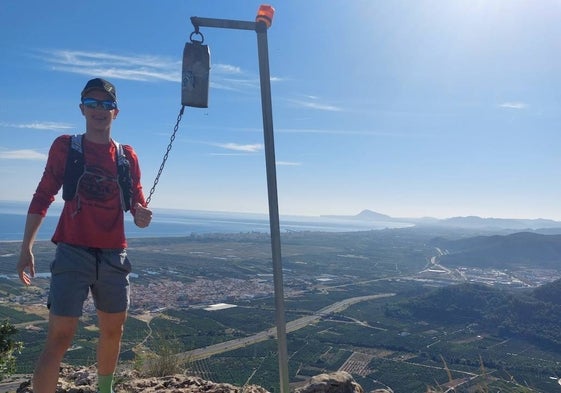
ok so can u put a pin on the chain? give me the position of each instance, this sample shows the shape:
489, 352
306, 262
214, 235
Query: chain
171, 139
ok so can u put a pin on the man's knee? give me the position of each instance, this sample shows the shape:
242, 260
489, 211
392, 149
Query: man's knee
110, 331
111, 325
61, 331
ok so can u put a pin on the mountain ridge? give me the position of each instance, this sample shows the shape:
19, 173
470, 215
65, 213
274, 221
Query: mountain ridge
501, 251
472, 222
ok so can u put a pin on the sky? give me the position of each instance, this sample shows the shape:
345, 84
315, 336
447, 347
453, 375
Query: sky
407, 108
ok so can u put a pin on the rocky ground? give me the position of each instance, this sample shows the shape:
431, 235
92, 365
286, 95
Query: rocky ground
83, 380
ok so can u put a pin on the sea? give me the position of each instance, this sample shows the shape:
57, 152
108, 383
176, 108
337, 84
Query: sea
176, 223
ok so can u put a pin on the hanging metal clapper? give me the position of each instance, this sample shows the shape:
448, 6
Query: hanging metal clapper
195, 72
194, 88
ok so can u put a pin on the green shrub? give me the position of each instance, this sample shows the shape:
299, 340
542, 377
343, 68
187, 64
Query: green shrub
8, 348
163, 360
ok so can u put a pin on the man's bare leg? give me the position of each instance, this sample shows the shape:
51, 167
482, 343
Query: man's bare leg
109, 347
59, 337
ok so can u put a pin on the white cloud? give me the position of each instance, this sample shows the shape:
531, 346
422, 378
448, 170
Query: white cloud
312, 102
288, 163
145, 68
250, 148
513, 105
234, 83
343, 132
139, 67
226, 69
38, 125
24, 154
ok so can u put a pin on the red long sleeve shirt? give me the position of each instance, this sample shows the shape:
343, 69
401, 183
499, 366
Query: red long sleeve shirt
94, 218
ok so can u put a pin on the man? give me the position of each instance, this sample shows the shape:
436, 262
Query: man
90, 237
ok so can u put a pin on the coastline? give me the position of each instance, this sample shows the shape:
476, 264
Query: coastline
174, 223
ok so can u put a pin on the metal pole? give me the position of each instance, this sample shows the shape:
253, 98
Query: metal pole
274, 222
223, 23
264, 75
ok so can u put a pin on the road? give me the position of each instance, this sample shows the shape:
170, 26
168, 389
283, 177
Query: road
206, 352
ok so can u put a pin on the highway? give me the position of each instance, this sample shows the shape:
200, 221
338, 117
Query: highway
206, 352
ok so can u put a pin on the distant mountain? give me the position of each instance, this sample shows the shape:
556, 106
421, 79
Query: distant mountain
522, 248
372, 216
366, 215
469, 222
510, 223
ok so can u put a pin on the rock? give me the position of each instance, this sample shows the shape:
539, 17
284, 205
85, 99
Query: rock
84, 380
337, 382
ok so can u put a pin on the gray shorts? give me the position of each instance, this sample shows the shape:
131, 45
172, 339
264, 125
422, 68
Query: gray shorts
77, 270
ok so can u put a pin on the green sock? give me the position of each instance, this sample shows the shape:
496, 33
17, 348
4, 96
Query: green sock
105, 383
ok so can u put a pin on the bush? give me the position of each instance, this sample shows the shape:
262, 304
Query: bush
8, 347
163, 361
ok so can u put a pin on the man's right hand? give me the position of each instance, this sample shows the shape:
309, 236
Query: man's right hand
26, 260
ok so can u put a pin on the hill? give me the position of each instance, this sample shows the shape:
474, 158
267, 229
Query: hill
550, 292
523, 248
533, 316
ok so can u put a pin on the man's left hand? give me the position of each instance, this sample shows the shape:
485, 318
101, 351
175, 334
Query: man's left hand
142, 216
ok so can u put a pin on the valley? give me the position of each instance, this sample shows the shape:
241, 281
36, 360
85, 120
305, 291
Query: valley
344, 296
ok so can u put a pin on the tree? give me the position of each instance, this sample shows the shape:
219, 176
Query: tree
8, 348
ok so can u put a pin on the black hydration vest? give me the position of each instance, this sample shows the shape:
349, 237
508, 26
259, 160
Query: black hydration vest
76, 165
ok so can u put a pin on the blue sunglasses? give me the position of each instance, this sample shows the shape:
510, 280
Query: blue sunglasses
92, 103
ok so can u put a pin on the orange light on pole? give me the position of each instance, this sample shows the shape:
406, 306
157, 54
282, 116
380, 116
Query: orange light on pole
265, 14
